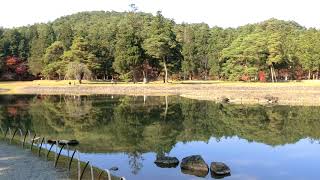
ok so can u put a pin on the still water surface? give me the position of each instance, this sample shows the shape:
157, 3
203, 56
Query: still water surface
256, 142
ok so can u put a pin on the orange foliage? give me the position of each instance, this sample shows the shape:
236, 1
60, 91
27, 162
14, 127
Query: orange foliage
11, 61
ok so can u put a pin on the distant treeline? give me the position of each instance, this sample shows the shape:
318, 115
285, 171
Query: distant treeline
133, 46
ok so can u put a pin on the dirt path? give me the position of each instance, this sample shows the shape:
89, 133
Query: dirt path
21, 164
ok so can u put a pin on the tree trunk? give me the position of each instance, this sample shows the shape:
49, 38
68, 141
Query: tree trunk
106, 74
271, 72
134, 76
206, 74
165, 71
166, 109
309, 75
275, 75
206, 69
145, 80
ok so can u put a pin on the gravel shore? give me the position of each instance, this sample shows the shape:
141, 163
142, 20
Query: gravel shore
21, 164
3, 90
247, 94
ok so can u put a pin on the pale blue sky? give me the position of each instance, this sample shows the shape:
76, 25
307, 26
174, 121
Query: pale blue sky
225, 13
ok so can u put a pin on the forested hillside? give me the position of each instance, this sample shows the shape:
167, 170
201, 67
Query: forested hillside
133, 45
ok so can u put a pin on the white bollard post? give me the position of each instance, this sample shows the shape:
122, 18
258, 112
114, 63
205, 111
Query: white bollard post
79, 167
108, 173
91, 169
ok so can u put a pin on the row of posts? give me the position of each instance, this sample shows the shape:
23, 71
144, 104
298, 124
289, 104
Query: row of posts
57, 154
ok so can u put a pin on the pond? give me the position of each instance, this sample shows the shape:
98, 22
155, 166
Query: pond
255, 141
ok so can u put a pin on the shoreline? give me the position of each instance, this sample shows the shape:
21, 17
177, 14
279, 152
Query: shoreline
288, 94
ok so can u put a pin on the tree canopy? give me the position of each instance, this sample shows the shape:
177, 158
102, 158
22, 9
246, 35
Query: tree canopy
135, 45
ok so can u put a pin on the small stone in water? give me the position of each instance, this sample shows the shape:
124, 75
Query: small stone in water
114, 168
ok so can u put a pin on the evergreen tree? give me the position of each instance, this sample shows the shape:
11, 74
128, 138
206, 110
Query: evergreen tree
54, 65
79, 53
161, 42
128, 49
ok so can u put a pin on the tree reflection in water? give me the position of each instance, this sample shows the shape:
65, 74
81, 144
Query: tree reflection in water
135, 162
154, 124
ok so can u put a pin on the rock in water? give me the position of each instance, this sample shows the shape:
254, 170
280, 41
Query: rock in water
73, 142
69, 142
220, 168
114, 168
166, 162
195, 173
50, 141
194, 165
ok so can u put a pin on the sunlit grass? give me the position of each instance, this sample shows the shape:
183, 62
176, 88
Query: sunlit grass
16, 87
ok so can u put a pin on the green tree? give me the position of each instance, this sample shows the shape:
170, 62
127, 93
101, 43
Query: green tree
102, 39
189, 51
43, 38
276, 53
309, 52
65, 34
53, 64
128, 49
161, 42
245, 56
80, 53
54, 52
78, 71
219, 39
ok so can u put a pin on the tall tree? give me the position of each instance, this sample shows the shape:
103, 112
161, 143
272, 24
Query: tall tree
79, 71
189, 51
219, 39
309, 52
202, 45
53, 63
276, 53
43, 38
65, 34
161, 42
79, 53
128, 49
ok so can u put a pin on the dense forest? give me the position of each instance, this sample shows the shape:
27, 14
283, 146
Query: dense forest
136, 46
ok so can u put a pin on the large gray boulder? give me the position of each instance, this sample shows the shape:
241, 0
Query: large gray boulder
219, 168
194, 165
166, 162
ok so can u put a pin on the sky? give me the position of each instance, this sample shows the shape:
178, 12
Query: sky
224, 13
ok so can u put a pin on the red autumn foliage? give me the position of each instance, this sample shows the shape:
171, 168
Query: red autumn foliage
21, 69
262, 76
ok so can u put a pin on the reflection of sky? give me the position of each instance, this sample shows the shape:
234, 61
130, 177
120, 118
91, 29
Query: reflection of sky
247, 160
